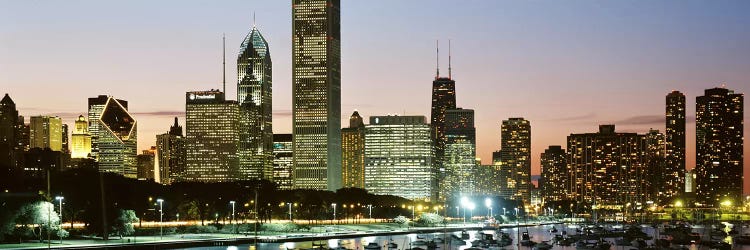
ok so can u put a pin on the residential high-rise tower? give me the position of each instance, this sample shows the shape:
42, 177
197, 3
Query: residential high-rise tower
515, 155
674, 171
353, 152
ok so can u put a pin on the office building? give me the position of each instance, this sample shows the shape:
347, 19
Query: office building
147, 164
486, 180
283, 160
443, 99
719, 146
117, 139
95, 107
46, 132
9, 140
316, 93
353, 152
515, 155
607, 168
460, 154
80, 139
212, 137
399, 157
554, 168
674, 168
254, 96
656, 173
170, 148
64, 137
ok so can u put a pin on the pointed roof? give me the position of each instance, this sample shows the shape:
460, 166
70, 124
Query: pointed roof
255, 40
7, 101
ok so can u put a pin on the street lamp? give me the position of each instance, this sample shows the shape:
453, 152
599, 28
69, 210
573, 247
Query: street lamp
60, 199
488, 203
503, 211
161, 217
232, 202
290, 211
464, 204
370, 207
334, 211
471, 210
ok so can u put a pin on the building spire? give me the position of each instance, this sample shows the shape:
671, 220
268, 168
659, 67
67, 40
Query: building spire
437, 59
224, 62
253, 19
449, 59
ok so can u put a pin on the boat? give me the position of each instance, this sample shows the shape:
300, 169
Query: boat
542, 246
373, 246
392, 245
553, 230
464, 235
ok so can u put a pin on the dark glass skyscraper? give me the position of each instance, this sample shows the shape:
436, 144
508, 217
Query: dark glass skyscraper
96, 105
719, 145
9, 137
674, 171
443, 98
255, 150
170, 149
316, 93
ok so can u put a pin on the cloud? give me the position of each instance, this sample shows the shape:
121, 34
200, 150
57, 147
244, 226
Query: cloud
649, 120
588, 116
161, 113
282, 113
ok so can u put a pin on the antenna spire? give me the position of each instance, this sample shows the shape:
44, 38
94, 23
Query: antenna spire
449, 59
224, 62
437, 59
253, 19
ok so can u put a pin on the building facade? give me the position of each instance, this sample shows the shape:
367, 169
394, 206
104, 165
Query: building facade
117, 139
80, 139
674, 168
316, 93
554, 184
399, 157
353, 152
95, 107
170, 148
719, 146
515, 156
459, 161
46, 132
212, 137
254, 96
283, 161
443, 99
147, 164
9, 138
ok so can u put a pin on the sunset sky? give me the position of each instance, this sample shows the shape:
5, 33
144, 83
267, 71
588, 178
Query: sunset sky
567, 66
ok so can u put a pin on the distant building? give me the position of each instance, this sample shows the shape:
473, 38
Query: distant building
96, 106
46, 132
9, 138
443, 99
353, 152
316, 93
504, 175
555, 181
690, 181
719, 146
607, 168
657, 177
674, 168
170, 148
117, 139
147, 164
39, 160
515, 155
80, 139
64, 138
486, 180
460, 154
283, 156
212, 137
399, 157
254, 97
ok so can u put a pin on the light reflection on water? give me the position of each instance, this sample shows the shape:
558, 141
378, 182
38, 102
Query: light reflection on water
404, 241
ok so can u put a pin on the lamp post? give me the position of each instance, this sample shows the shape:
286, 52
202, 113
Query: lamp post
471, 210
464, 204
334, 211
161, 218
370, 207
518, 229
231, 222
290, 211
488, 203
59, 200
503, 211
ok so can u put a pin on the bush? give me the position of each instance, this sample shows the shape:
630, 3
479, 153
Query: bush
401, 220
280, 227
198, 229
429, 219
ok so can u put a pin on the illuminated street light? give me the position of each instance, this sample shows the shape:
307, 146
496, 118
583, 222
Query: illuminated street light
334, 210
161, 217
232, 202
60, 199
488, 203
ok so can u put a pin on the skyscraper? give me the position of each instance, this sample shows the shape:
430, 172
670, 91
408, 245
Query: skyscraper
64, 139
46, 132
283, 158
9, 137
674, 171
607, 168
657, 177
460, 154
353, 152
146, 162
96, 105
170, 148
554, 184
116, 139
316, 93
515, 154
443, 98
254, 96
399, 157
212, 137
80, 139
719, 145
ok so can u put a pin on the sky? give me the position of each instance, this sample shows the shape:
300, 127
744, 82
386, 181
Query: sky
567, 66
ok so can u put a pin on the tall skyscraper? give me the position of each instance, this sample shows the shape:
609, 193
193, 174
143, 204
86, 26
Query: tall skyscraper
9, 137
554, 184
515, 154
316, 91
283, 160
486, 180
607, 168
46, 132
457, 175
80, 139
254, 96
719, 145
117, 139
399, 157
96, 106
674, 171
212, 137
443, 98
353, 152
657, 177
64, 139
170, 148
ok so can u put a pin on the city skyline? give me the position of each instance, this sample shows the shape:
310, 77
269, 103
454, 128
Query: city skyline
649, 79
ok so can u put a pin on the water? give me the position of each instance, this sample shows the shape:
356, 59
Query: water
537, 233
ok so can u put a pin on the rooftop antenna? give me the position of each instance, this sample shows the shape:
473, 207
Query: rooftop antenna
224, 62
437, 59
253, 19
449, 59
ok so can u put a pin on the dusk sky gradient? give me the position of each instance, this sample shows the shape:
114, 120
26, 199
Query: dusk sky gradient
567, 66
